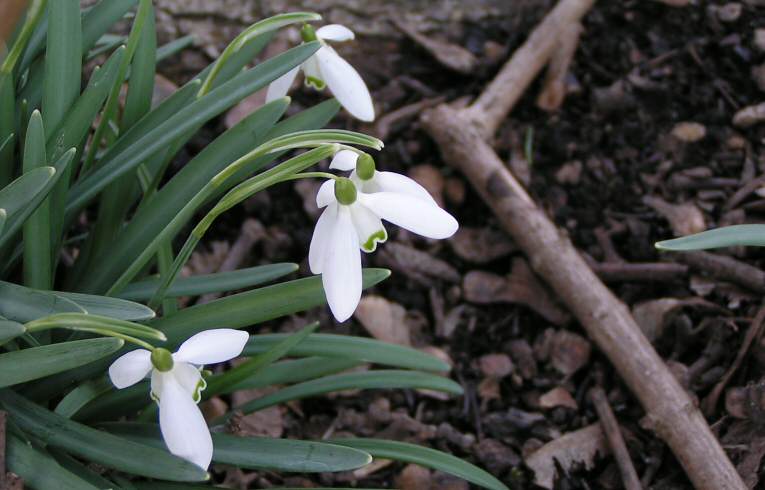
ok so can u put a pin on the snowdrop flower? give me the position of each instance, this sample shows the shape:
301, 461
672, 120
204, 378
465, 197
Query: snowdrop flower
326, 68
177, 384
352, 221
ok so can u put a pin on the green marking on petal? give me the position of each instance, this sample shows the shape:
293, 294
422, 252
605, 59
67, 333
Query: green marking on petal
377, 237
316, 83
201, 385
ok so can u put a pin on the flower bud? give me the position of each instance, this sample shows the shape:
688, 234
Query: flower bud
162, 359
345, 191
365, 167
308, 33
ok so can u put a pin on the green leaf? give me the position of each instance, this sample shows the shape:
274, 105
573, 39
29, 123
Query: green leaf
82, 395
79, 469
38, 469
382, 379
97, 446
210, 283
23, 193
24, 304
111, 307
430, 458
227, 381
38, 256
37, 362
260, 453
356, 348
198, 112
63, 61
251, 307
9, 330
727, 236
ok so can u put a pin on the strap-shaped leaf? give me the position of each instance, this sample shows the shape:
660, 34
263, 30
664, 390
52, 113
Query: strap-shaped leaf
382, 379
357, 348
24, 304
25, 365
9, 330
430, 458
118, 308
63, 60
196, 113
95, 445
210, 283
38, 255
251, 307
726, 236
80, 396
38, 469
20, 194
260, 453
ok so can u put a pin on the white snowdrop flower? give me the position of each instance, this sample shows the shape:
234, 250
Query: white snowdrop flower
352, 221
176, 385
326, 68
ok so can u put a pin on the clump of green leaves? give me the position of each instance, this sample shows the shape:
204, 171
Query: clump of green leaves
79, 170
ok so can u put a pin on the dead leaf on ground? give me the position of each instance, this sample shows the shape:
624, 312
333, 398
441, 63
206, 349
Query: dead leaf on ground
449, 55
557, 397
383, 319
685, 218
481, 245
569, 352
582, 446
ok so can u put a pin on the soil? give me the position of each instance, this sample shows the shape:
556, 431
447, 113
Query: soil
619, 166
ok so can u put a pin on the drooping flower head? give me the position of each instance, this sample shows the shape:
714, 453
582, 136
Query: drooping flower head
325, 68
352, 221
176, 385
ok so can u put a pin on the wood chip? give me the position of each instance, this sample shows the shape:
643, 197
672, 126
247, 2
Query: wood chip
685, 218
557, 397
383, 319
689, 132
579, 447
481, 245
749, 116
569, 352
495, 366
449, 55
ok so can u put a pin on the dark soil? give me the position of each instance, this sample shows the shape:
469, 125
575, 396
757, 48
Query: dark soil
641, 68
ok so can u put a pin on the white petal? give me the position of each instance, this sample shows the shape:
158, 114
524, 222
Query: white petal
280, 86
334, 32
346, 84
326, 194
341, 274
183, 427
412, 213
212, 346
393, 182
369, 228
130, 368
190, 379
321, 237
344, 160
313, 75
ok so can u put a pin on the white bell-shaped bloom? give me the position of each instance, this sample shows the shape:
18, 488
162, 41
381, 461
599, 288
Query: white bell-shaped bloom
326, 67
177, 384
345, 228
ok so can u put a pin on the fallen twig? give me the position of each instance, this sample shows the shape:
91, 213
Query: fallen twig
615, 439
638, 271
461, 135
554, 87
725, 268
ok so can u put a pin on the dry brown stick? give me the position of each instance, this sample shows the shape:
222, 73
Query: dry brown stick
709, 403
638, 271
726, 269
493, 105
615, 439
461, 134
554, 87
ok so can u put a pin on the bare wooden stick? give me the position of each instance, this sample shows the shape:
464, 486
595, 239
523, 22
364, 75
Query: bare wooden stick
615, 439
461, 134
725, 268
554, 87
493, 105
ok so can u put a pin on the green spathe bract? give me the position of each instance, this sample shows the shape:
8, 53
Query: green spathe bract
93, 218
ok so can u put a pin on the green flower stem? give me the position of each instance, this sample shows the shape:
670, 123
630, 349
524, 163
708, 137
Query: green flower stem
108, 327
299, 139
236, 195
262, 27
110, 109
311, 175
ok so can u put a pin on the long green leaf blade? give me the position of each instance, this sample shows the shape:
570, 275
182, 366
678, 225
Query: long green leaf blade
63, 60
24, 304
430, 458
38, 469
727, 236
356, 348
95, 445
37, 362
38, 256
111, 307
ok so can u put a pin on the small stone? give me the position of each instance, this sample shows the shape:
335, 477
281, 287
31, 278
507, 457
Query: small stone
523, 356
730, 12
414, 477
569, 173
383, 319
749, 116
496, 366
689, 132
759, 40
445, 481
557, 397
496, 457
569, 352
